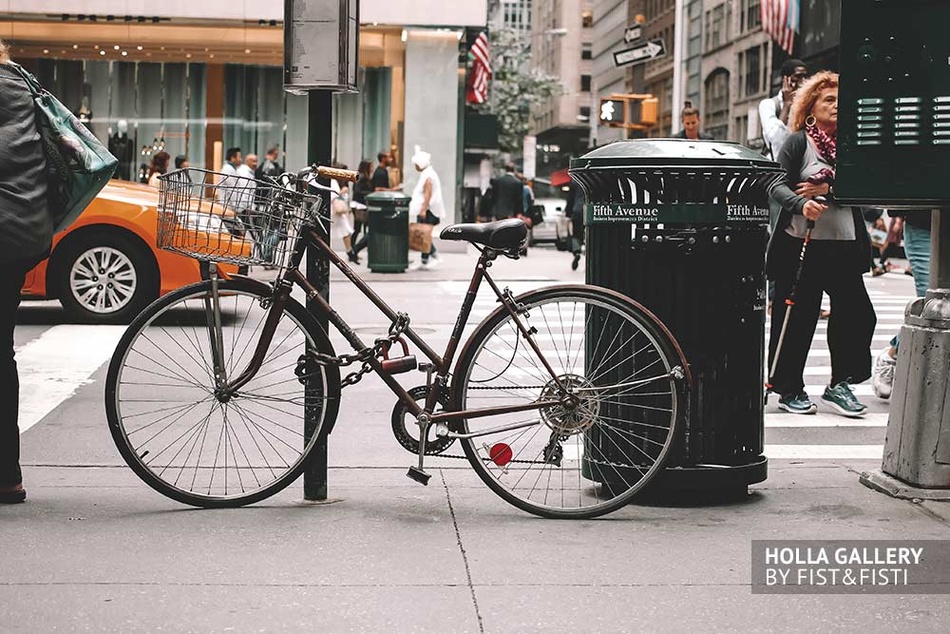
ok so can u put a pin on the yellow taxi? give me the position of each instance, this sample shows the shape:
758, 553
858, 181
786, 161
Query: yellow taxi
106, 267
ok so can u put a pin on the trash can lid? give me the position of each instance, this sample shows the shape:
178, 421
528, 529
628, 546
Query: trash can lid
672, 153
382, 197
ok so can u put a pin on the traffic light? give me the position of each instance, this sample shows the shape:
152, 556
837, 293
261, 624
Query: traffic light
612, 111
636, 112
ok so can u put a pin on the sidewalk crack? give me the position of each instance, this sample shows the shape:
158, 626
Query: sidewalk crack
458, 538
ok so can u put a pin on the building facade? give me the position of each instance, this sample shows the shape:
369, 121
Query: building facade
196, 78
562, 123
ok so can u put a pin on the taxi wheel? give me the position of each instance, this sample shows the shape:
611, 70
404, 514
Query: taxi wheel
105, 278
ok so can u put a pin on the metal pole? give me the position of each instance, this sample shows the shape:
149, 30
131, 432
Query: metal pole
678, 30
319, 150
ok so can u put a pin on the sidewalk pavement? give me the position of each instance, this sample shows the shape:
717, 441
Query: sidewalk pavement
94, 549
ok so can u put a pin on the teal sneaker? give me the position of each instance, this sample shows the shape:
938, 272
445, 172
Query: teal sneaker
842, 399
797, 404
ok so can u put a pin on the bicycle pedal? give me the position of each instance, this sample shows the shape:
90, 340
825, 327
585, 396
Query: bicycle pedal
419, 475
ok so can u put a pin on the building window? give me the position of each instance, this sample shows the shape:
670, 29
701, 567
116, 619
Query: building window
587, 51
742, 129
718, 26
750, 72
583, 113
716, 108
751, 17
587, 18
585, 83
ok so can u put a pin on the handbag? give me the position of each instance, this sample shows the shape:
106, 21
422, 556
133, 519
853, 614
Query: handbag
79, 166
340, 205
420, 237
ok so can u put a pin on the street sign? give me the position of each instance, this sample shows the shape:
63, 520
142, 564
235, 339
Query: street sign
632, 34
640, 53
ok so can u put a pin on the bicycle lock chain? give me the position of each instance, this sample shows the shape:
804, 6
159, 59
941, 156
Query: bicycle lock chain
396, 329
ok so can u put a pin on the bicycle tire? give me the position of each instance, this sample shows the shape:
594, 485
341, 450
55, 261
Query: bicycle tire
171, 328
591, 458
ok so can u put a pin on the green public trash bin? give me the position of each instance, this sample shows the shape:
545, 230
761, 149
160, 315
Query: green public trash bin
388, 232
681, 227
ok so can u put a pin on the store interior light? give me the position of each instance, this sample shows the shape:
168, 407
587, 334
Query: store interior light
46, 51
75, 46
125, 53
404, 36
102, 52
116, 47
139, 47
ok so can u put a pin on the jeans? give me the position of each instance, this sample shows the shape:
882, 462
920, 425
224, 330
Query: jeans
917, 250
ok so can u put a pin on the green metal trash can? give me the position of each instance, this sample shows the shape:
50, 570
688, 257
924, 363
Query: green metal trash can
682, 227
388, 244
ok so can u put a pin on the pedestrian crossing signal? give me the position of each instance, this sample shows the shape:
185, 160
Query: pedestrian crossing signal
635, 111
612, 111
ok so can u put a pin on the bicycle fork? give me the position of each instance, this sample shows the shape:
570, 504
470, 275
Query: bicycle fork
215, 335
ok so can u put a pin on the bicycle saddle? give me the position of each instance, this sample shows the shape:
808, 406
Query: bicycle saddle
500, 234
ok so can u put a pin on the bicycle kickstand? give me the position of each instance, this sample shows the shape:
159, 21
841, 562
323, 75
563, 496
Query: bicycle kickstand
419, 473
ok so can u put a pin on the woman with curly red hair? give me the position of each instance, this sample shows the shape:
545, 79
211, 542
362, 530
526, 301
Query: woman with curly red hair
838, 255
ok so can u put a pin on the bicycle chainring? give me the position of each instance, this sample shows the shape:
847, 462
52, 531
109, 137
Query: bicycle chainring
402, 420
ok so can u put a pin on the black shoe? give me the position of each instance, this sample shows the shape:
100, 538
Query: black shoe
577, 259
355, 259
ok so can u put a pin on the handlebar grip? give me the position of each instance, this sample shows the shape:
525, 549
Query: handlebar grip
333, 172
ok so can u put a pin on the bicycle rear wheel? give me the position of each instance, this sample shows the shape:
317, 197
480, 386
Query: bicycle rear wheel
621, 391
197, 446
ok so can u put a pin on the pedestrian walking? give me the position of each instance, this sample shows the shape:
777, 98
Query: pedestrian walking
229, 187
362, 187
269, 168
839, 253
575, 211
506, 194
26, 233
917, 250
689, 117
381, 175
341, 218
426, 204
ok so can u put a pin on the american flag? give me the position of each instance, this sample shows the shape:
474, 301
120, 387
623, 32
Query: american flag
780, 20
477, 89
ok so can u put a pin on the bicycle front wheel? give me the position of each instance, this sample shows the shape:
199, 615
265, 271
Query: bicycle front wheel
617, 378
183, 436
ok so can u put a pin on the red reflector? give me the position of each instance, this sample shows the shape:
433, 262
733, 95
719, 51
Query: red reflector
500, 454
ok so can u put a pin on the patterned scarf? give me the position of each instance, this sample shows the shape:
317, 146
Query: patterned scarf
827, 151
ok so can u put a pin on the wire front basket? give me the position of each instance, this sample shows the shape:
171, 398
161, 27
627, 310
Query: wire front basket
232, 219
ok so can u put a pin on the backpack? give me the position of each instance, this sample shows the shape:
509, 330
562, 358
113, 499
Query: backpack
79, 166
766, 148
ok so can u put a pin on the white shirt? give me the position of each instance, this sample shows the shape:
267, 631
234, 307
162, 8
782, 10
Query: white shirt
436, 204
246, 187
773, 130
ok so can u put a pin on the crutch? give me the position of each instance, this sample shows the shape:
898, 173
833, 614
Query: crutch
790, 303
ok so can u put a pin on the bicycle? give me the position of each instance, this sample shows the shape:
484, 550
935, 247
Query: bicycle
566, 400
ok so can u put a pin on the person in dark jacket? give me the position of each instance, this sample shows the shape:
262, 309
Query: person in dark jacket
506, 194
837, 256
26, 232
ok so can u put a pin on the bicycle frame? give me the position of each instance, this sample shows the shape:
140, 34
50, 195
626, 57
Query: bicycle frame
309, 237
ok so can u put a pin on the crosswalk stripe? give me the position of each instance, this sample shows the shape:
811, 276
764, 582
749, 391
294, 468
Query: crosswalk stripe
55, 365
824, 452
784, 420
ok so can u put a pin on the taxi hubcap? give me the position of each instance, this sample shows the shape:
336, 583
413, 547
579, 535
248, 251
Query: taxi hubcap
103, 280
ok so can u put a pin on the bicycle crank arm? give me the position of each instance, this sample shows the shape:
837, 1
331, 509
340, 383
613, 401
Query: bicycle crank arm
494, 430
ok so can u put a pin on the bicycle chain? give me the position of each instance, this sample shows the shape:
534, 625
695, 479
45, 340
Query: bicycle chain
396, 329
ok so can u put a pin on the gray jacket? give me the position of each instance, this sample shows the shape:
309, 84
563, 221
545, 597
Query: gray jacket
26, 227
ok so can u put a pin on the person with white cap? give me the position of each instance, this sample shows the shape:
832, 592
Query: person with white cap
426, 204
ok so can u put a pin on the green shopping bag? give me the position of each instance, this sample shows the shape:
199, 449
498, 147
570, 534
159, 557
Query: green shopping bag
79, 165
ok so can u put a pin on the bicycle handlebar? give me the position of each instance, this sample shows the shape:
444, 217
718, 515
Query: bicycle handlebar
329, 172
